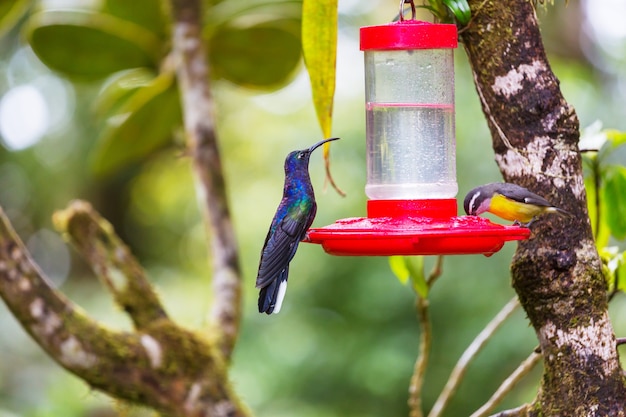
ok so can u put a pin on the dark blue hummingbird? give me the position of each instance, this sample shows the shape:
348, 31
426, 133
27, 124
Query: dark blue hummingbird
293, 218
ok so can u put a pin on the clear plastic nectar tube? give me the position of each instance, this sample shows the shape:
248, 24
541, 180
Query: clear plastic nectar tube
411, 147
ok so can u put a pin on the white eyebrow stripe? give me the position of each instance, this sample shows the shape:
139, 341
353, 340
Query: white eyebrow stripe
472, 201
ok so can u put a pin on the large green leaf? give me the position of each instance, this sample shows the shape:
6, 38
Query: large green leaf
260, 56
146, 13
145, 124
614, 195
87, 44
10, 13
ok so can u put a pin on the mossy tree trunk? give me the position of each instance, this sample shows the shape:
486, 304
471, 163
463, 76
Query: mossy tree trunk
557, 273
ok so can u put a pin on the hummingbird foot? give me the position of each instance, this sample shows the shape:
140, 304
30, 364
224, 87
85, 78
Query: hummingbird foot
526, 225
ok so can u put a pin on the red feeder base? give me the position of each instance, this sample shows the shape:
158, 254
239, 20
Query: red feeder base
414, 227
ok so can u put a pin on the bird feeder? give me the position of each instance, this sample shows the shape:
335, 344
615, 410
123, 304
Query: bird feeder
411, 161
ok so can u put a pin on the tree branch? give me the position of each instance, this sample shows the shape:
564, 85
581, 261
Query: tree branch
470, 353
94, 238
198, 112
507, 386
163, 366
557, 274
421, 363
521, 411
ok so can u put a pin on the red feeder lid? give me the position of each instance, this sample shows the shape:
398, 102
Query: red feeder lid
408, 34
414, 227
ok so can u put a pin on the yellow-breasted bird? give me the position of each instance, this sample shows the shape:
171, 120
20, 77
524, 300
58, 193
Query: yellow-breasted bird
509, 201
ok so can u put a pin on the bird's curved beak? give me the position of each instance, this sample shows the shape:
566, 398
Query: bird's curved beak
320, 143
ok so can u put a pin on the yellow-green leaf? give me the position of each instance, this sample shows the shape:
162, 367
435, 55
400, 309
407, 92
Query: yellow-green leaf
319, 47
614, 196
405, 267
621, 272
415, 264
600, 229
399, 268
616, 137
11, 11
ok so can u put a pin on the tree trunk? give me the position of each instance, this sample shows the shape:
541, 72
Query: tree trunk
557, 273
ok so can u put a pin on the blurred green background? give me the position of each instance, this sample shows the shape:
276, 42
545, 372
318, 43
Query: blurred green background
347, 338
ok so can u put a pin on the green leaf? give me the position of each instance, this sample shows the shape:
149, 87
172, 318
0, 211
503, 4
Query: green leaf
145, 13
614, 196
615, 137
319, 47
144, 124
260, 56
610, 260
11, 11
399, 268
437, 8
418, 277
460, 9
119, 87
603, 234
590, 189
620, 273
236, 12
87, 44
405, 267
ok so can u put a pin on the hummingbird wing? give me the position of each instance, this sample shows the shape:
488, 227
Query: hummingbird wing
280, 247
281, 244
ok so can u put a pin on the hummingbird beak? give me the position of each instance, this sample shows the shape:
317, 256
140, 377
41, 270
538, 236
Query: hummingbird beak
320, 143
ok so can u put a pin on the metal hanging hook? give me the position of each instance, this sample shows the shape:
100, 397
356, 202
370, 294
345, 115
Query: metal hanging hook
413, 12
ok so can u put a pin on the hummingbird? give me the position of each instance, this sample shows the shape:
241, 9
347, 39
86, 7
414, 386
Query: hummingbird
293, 218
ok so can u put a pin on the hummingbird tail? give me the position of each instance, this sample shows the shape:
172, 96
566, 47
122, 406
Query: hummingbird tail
271, 297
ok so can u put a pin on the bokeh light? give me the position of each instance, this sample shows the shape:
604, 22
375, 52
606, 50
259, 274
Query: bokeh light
24, 117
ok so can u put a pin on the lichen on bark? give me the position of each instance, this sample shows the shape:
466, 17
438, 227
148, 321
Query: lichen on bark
162, 365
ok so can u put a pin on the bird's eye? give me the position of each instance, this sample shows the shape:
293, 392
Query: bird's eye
300, 155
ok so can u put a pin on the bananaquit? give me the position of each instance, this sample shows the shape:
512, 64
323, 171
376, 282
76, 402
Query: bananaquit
509, 201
